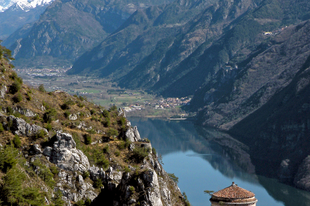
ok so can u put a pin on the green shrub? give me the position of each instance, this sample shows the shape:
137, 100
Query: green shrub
18, 97
40, 134
87, 202
122, 121
173, 177
87, 139
106, 114
139, 153
44, 173
8, 156
112, 132
15, 87
54, 170
92, 111
67, 104
10, 111
124, 144
41, 88
1, 127
49, 115
106, 149
154, 151
47, 106
91, 131
117, 153
11, 189
48, 127
100, 159
126, 169
98, 183
29, 96
85, 174
16, 141
67, 114
57, 200
106, 123
16, 78
113, 108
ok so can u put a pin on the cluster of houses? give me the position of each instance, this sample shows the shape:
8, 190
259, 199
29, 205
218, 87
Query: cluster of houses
159, 104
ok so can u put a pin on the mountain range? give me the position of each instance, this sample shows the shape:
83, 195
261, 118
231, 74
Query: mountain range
245, 62
17, 13
67, 29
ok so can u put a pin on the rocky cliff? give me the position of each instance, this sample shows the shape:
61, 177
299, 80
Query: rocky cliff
58, 149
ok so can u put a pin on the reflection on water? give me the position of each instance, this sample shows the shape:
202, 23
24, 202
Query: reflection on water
207, 159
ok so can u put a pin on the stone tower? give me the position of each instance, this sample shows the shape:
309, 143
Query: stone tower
233, 196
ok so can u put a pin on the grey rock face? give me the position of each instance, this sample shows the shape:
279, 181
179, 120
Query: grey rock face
303, 174
26, 112
3, 91
65, 155
96, 173
75, 182
132, 134
152, 191
21, 127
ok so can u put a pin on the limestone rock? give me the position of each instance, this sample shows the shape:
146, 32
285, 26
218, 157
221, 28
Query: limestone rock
302, 176
65, 155
132, 134
96, 173
3, 91
21, 127
73, 117
26, 112
152, 191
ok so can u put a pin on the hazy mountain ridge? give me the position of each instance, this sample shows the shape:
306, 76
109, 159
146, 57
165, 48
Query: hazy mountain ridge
68, 29
15, 14
139, 36
219, 33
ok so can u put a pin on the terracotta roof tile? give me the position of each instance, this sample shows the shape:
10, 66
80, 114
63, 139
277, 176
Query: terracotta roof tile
233, 192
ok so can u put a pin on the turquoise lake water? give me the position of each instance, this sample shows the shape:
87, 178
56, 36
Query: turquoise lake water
202, 164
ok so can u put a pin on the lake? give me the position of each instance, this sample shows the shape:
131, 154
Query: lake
207, 159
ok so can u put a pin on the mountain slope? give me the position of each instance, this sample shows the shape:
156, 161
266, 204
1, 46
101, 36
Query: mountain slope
177, 60
264, 104
137, 38
59, 149
68, 29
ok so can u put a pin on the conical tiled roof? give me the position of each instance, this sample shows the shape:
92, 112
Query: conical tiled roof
233, 192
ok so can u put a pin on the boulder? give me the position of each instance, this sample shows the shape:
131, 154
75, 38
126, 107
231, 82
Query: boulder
3, 90
73, 117
26, 112
132, 134
152, 188
65, 155
21, 127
